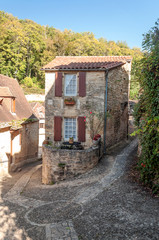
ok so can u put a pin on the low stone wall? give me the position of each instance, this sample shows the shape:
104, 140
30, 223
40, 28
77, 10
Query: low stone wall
60, 164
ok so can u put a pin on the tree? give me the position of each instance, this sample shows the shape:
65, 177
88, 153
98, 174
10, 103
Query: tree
26, 46
147, 110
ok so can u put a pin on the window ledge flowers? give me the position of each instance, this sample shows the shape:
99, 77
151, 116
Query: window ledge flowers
69, 101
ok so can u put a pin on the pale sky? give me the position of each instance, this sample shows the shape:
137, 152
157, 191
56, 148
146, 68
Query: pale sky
115, 20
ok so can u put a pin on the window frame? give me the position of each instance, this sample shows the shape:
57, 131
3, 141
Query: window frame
70, 95
41, 125
64, 128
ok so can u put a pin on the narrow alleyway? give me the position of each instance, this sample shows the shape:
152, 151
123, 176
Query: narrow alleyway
102, 204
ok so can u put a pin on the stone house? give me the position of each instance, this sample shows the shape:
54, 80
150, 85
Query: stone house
98, 85
18, 127
85, 97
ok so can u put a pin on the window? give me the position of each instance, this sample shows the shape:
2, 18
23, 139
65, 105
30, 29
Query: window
41, 125
70, 128
70, 85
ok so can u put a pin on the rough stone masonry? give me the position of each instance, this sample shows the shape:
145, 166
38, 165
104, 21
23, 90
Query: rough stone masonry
89, 108
60, 164
117, 112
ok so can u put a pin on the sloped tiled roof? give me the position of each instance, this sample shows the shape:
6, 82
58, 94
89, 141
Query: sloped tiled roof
22, 107
39, 109
86, 62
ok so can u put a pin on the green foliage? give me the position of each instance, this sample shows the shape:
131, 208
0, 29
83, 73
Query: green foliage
27, 82
147, 110
34, 90
26, 46
16, 124
134, 89
52, 183
62, 165
135, 73
49, 143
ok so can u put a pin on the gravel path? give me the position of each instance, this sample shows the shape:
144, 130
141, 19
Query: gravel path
102, 204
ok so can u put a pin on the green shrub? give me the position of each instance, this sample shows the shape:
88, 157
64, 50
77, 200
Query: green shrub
28, 82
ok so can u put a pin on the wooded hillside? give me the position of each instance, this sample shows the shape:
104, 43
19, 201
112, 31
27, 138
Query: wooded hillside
26, 46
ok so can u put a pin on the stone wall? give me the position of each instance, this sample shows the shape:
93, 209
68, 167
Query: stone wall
60, 164
118, 97
25, 144
18, 147
54, 106
118, 94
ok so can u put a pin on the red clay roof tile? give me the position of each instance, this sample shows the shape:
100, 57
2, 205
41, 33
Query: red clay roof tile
22, 107
86, 62
39, 109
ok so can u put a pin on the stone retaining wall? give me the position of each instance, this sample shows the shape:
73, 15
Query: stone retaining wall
60, 164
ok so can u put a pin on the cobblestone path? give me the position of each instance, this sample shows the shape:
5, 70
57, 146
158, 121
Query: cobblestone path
116, 172
75, 210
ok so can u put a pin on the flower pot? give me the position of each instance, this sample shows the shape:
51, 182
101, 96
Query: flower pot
45, 142
71, 141
69, 103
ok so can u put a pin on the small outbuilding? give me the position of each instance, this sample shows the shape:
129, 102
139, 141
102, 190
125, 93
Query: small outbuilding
19, 127
39, 111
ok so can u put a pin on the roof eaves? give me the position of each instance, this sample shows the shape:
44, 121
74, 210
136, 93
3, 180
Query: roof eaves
74, 69
7, 96
83, 69
112, 67
5, 125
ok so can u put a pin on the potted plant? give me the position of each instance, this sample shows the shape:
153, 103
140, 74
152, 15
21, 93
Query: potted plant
70, 101
71, 140
45, 142
96, 139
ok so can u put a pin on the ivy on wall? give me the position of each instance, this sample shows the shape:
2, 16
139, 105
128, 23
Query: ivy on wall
147, 110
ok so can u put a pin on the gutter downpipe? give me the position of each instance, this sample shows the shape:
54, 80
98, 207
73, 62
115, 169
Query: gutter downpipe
105, 110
